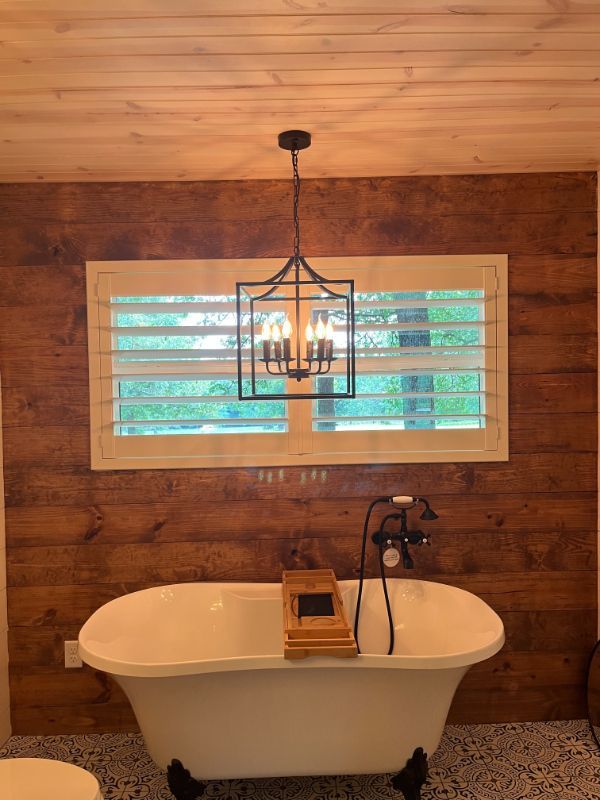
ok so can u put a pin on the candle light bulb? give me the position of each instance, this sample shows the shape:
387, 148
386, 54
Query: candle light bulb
275, 332
310, 348
329, 330
320, 328
287, 329
266, 332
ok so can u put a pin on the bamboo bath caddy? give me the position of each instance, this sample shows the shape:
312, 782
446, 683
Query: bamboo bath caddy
315, 634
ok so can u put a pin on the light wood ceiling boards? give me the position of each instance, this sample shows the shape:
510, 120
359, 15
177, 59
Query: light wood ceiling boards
199, 89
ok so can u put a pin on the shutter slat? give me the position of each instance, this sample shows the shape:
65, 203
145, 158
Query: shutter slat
220, 306
191, 422
416, 395
421, 326
201, 353
425, 303
176, 400
143, 377
143, 400
383, 417
184, 353
217, 370
323, 304
178, 330
199, 307
180, 372
231, 330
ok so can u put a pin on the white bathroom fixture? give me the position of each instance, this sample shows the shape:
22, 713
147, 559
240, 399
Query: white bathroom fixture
202, 665
41, 778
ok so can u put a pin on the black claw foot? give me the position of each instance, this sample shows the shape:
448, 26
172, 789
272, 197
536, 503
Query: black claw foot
413, 776
181, 783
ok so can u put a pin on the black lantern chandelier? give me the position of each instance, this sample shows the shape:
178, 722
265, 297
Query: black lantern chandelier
296, 325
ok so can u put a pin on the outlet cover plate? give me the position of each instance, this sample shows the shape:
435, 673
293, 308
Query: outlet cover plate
72, 658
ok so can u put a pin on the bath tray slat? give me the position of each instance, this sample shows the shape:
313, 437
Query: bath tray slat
324, 635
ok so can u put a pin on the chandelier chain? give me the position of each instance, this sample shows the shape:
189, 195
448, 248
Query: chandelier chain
296, 205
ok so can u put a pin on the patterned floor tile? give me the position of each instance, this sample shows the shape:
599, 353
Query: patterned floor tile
512, 761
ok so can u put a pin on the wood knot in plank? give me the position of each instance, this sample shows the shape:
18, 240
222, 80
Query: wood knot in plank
95, 526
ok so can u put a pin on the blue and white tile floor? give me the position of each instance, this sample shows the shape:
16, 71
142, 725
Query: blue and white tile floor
516, 761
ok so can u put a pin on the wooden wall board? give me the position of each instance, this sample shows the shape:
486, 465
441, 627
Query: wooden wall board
83, 718
541, 472
138, 523
520, 534
519, 233
217, 201
561, 702
61, 9
413, 66
236, 24
145, 90
569, 430
248, 560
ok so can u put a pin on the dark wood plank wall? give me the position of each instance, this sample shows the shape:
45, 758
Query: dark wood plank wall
521, 534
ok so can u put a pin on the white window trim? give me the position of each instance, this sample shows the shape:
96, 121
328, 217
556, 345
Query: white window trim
322, 448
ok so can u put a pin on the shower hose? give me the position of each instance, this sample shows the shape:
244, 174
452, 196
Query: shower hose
361, 578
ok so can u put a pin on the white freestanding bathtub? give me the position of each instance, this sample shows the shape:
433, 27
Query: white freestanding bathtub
202, 665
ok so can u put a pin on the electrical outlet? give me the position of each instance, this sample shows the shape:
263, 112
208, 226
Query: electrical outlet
72, 658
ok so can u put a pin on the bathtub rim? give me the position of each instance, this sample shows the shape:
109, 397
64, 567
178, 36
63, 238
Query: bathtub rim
149, 669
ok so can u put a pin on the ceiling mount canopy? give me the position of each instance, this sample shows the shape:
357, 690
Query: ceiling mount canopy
294, 140
297, 325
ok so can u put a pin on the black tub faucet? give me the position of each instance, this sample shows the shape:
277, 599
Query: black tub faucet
405, 537
401, 504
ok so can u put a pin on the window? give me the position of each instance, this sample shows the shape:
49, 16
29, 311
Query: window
431, 367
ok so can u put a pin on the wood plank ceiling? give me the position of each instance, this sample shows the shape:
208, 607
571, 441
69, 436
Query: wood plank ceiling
198, 89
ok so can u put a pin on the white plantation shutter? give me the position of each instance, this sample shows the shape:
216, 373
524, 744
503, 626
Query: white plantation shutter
424, 366
428, 363
164, 380
431, 367
174, 369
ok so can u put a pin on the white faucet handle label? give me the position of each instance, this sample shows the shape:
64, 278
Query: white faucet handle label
391, 557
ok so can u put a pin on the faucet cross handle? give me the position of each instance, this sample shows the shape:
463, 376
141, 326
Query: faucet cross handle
417, 537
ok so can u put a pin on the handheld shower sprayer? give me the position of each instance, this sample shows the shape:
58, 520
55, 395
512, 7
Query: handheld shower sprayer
410, 502
404, 503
